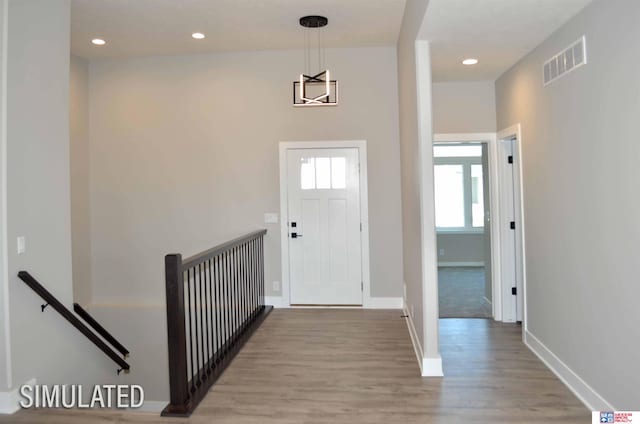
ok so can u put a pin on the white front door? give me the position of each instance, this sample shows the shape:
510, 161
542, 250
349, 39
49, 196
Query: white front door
323, 200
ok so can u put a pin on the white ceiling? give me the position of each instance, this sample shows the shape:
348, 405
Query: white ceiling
497, 32
164, 27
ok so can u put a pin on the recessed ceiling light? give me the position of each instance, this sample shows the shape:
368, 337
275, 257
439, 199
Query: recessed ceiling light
470, 61
198, 35
98, 42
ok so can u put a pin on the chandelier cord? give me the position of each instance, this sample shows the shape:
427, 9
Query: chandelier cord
306, 51
319, 63
323, 52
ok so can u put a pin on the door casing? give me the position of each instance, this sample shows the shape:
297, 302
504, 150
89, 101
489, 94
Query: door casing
361, 145
514, 133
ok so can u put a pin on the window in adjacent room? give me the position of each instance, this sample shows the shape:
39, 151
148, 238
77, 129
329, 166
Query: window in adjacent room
458, 180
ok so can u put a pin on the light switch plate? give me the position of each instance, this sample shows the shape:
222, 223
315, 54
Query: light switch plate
21, 245
271, 218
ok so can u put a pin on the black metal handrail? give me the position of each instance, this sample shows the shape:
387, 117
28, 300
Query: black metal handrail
215, 301
73, 320
100, 329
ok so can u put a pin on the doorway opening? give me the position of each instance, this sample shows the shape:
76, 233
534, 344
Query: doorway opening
495, 199
463, 210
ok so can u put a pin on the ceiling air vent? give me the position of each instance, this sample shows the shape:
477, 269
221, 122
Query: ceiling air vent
566, 61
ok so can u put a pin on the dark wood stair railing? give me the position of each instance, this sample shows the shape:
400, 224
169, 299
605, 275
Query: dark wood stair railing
52, 301
215, 301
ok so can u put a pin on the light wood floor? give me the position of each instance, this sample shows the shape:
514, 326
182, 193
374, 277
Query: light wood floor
358, 366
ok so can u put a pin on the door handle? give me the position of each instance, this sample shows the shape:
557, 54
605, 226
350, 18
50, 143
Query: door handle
295, 235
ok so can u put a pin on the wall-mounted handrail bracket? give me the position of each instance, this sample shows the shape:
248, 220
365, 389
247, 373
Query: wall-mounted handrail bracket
43, 306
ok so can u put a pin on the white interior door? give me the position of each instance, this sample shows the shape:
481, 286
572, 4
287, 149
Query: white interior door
511, 284
323, 200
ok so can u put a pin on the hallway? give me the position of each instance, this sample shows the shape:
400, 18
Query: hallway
358, 366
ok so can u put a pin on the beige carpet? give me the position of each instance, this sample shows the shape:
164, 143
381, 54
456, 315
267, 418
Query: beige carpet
461, 293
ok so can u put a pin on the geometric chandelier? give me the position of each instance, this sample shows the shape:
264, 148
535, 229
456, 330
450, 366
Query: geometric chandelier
316, 89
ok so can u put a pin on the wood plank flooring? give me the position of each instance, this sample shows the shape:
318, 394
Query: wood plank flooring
358, 366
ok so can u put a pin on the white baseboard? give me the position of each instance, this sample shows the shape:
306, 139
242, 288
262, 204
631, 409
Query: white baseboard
275, 301
417, 348
429, 367
573, 381
9, 401
384, 303
371, 303
432, 367
461, 264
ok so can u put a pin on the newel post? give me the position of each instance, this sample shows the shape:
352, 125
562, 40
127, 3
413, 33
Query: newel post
176, 335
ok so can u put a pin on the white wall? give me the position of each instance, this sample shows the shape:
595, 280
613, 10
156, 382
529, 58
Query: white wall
80, 187
464, 107
184, 155
580, 164
42, 344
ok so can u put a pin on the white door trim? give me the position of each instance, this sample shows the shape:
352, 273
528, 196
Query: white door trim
361, 145
491, 139
515, 131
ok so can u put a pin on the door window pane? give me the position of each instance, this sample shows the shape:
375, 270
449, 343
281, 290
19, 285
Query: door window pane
449, 196
338, 172
477, 196
323, 173
308, 174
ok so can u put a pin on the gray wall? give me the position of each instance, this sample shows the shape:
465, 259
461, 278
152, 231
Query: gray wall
464, 107
5, 332
79, 162
184, 155
460, 247
411, 226
581, 185
43, 345
418, 212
